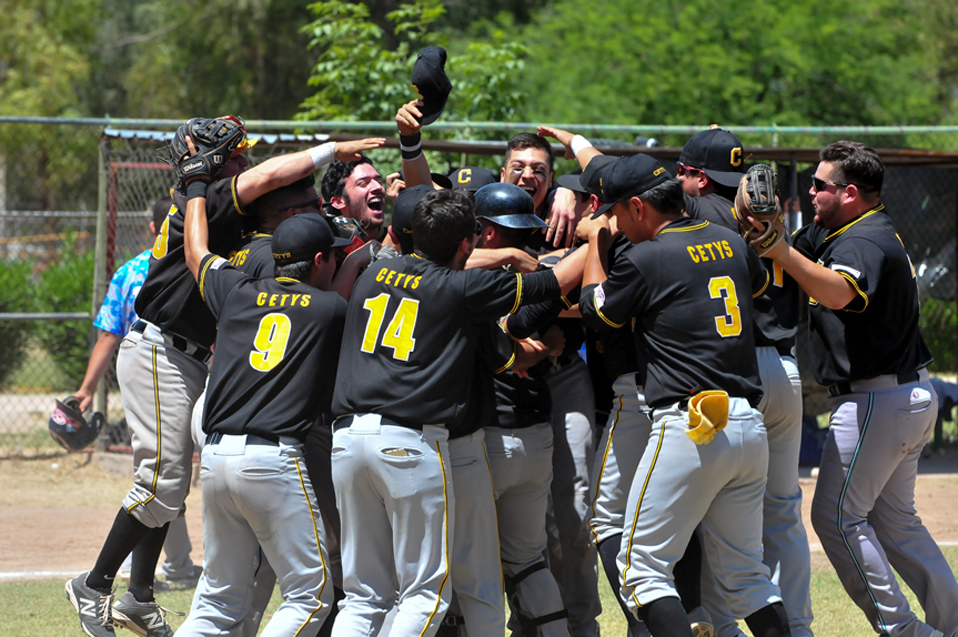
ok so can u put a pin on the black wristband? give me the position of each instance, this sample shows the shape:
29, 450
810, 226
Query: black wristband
196, 188
410, 140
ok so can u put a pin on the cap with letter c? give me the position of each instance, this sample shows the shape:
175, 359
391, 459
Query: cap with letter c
718, 153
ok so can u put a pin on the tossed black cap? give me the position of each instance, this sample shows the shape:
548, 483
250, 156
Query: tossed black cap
301, 237
430, 81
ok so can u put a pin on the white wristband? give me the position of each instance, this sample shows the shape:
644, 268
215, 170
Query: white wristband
322, 154
578, 143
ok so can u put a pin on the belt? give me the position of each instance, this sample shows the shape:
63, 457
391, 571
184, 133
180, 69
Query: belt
180, 343
251, 439
343, 422
879, 383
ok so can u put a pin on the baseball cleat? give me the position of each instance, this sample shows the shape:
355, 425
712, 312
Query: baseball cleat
146, 619
701, 623
92, 606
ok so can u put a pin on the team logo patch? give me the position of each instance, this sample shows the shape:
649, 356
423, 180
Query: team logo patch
219, 263
599, 297
844, 268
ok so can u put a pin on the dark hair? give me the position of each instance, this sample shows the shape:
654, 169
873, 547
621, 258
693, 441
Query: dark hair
160, 210
442, 219
299, 270
856, 163
334, 180
523, 141
274, 202
667, 198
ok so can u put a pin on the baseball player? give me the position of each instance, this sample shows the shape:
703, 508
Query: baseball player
353, 190
686, 284
277, 341
412, 322
709, 169
863, 328
161, 369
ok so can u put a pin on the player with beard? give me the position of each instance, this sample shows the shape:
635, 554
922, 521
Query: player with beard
354, 190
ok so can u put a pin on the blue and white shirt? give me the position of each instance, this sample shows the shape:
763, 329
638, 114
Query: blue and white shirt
117, 314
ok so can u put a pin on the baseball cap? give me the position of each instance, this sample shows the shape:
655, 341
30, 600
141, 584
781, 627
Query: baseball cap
402, 214
717, 152
472, 178
430, 81
572, 181
627, 177
299, 238
437, 178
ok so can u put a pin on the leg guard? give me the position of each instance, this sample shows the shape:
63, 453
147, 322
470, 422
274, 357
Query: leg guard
532, 604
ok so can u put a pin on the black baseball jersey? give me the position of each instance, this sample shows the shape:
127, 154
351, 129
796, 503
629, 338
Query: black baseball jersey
276, 352
619, 350
412, 332
689, 289
776, 311
254, 255
877, 333
497, 354
169, 297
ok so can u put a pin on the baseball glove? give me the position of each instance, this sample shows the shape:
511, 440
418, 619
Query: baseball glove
756, 198
215, 141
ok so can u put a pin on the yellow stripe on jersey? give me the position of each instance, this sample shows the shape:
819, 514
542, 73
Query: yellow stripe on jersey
764, 287
509, 363
515, 307
638, 509
206, 267
236, 201
853, 222
688, 229
319, 548
858, 291
606, 319
445, 541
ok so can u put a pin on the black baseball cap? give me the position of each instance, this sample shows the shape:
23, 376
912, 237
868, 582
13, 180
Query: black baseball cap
301, 237
717, 152
402, 214
472, 178
430, 81
572, 181
627, 177
437, 178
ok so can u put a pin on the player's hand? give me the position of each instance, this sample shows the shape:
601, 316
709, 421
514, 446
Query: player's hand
554, 340
588, 227
406, 118
394, 186
776, 251
562, 218
350, 151
524, 262
564, 137
86, 399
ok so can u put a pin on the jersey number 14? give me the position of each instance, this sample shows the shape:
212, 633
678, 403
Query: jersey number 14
398, 334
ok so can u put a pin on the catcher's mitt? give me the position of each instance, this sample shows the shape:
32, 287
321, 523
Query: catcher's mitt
215, 141
756, 198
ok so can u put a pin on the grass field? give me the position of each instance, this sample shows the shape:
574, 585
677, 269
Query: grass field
40, 607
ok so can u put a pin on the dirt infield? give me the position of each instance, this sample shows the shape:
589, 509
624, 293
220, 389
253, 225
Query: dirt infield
55, 513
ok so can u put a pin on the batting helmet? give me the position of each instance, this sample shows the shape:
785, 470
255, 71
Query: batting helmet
70, 429
508, 206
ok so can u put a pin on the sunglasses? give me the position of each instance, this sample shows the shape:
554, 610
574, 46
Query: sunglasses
687, 170
819, 184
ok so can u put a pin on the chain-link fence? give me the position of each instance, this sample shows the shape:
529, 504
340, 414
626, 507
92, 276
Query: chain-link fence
76, 199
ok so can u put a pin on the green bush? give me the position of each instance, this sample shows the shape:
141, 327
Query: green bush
66, 285
939, 328
14, 288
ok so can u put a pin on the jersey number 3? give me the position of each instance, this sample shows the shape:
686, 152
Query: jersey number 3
730, 323
399, 332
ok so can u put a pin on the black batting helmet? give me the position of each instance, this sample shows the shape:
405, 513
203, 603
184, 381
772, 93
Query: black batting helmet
508, 206
70, 429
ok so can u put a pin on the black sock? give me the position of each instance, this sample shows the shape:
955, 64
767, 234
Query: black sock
125, 534
608, 554
688, 575
146, 555
665, 617
769, 621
